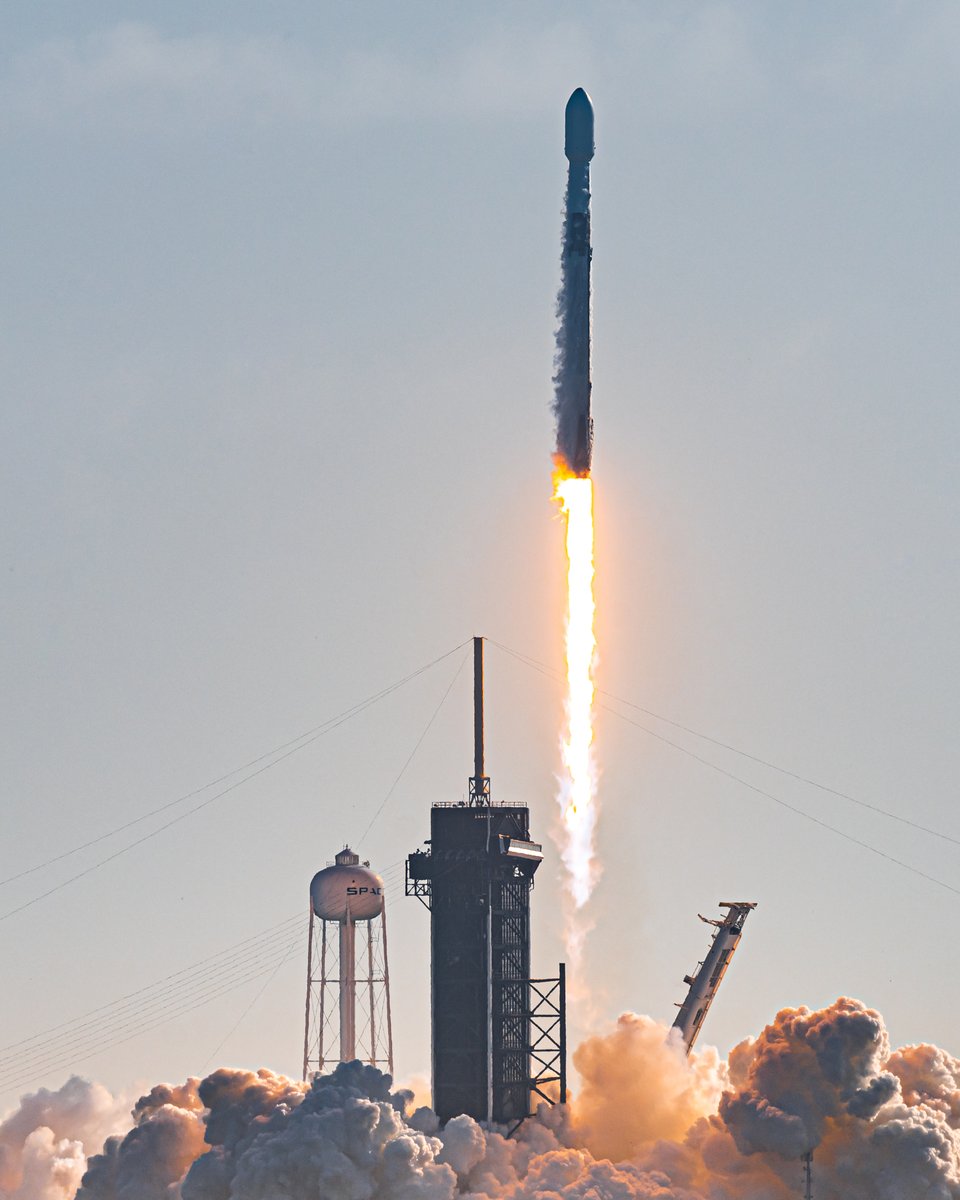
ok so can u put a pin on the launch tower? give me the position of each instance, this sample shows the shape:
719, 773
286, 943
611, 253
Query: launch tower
498, 1034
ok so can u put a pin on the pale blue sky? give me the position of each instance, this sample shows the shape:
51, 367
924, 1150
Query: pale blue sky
276, 349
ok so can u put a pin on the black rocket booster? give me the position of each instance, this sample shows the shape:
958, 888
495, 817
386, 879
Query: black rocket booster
572, 379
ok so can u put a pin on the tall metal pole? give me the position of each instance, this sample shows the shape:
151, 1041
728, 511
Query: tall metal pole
479, 783
370, 996
323, 995
306, 1022
563, 1033
478, 707
386, 985
480, 794
490, 1002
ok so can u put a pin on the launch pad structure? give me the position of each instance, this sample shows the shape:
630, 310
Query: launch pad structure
705, 982
498, 1034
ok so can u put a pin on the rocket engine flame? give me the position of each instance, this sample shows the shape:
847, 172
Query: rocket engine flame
578, 785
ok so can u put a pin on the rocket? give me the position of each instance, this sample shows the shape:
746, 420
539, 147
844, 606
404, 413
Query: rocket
572, 379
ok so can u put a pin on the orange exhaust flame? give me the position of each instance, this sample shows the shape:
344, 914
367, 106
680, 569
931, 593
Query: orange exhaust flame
578, 785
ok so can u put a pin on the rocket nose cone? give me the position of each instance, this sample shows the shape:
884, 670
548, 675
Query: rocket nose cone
578, 141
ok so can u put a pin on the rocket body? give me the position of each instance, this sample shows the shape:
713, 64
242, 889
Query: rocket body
572, 379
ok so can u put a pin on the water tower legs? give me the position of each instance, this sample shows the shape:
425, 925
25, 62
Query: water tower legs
349, 981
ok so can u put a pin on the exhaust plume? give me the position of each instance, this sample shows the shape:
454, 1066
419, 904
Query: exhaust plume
637, 1086
578, 783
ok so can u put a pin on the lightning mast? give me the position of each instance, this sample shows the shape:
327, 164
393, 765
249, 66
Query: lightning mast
705, 982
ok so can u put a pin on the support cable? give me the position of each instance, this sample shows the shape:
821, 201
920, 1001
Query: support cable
548, 671
417, 745
84, 1035
175, 980
130, 1015
129, 1030
292, 747
544, 669
246, 1012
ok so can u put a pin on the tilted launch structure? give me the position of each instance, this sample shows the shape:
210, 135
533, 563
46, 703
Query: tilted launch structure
705, 982
348, 997
499, 1035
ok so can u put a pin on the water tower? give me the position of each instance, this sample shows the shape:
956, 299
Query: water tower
348, 983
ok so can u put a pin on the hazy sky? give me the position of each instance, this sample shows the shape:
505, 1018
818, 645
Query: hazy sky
276, 354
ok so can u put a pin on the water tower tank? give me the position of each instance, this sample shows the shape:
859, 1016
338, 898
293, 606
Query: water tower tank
346, 887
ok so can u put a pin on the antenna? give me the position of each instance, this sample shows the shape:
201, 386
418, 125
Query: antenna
807, 1161
479, 782
478, 707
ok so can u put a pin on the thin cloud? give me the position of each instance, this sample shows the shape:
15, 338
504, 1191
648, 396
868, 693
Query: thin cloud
136, 77
133, 76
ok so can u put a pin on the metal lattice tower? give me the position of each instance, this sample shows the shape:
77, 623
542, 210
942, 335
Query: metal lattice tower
498, 1036
348, 981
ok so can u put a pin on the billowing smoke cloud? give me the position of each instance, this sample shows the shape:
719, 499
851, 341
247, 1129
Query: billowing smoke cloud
638, 1086
44, 1142
803, 1071
648, 1123
881, 1125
